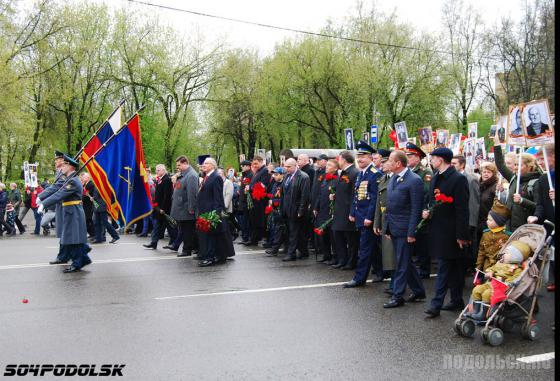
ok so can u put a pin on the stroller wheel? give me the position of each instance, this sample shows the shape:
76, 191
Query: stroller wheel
495, 337
467, 328
531, 332
484, 335
457, 327
505, 324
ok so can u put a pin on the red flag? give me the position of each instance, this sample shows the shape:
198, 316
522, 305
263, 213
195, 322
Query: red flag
393, 137
498, 291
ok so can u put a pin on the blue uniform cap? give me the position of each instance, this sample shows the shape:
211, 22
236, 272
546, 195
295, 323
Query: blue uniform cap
279, 170
364, 149
444, 153
70, 161
384, 153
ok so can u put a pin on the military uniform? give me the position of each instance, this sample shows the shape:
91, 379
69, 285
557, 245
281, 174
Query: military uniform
490, 244
363, 207
73, 237
421, 249
387, 249
506, 272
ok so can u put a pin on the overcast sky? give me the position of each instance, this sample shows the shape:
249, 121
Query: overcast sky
301, 14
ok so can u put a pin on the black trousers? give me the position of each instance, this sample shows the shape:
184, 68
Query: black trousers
422, 252
324, 243
3, 222
19, 224
186, 228
296, 237
346, 247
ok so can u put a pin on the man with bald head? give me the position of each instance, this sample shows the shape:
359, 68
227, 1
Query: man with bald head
211, 198
294, 206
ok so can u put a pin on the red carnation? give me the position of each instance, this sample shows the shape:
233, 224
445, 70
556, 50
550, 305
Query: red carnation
331, 176
259, 191
246, 181
275, 203
268, 210
318, 231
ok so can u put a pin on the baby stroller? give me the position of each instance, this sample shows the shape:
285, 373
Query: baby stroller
520, 303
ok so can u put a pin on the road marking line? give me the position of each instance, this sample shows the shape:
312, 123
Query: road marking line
537, 358
115, 260
103, 244
253, 291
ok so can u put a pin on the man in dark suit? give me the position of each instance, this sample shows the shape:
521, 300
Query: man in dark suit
257, 221
315, 192
345, 235
362, 214
294, 206
405, 194
536, 127
211, 198
161, 204
242, 210
305, 166
449, 231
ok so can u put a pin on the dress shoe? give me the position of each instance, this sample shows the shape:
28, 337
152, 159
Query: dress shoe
323, 259
337, 266
95, 242
185, 253
453, 307
303, 256
114, 240
170, 247
195, 251
415, 298
376, 279
267, 246
71, 269
271, 251
249, 243
347, 267
206, 263
394, 303
150, 246
331, 262
432, 313
57, 262
352, 284
388, 291
288, 258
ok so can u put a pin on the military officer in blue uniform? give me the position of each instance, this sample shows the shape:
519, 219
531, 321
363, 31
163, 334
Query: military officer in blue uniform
73, 237
362, 213
58, 181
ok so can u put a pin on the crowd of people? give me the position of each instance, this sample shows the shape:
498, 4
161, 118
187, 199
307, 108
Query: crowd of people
391, 213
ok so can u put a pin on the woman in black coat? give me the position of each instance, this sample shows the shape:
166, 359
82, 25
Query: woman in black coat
322, 209
488, 182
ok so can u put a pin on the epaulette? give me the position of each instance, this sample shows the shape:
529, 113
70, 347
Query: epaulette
372, 169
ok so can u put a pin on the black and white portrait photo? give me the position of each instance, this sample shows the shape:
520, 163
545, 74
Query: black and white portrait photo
402, 134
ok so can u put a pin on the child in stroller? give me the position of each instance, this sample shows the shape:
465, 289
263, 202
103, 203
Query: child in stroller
515, 302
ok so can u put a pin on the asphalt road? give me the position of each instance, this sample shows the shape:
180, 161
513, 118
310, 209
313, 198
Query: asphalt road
250, 319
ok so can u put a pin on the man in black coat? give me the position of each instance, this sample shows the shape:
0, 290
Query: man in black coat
305, 165
257, 221
162, 205
449, 231
346, 236
211, 198
87, 203
242, 213
294, 206
544, 196
315, 192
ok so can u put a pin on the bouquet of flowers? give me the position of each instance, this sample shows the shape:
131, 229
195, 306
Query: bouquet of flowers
440, 199
246, 183
321, 229
207, 221
259, 191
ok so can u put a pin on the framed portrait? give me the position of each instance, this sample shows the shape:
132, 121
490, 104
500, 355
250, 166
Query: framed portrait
501, 128
241, 157
402, 134
442, 137
515, 135
426, 139
349, 138
469, 151
282, 160
537, 123
480, 151
472, 130
455, 143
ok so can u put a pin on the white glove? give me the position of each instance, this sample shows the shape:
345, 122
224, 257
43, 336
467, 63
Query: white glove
38, 201
40, 209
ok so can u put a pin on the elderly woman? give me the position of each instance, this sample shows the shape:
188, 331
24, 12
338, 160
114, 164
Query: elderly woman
488, 182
